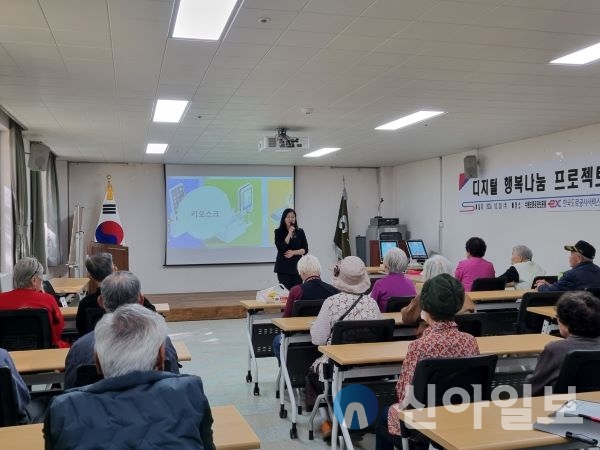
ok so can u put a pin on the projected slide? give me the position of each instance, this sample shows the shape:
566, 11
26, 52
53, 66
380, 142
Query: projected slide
224, 214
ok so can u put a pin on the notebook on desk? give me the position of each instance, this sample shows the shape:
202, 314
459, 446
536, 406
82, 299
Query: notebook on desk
576, 419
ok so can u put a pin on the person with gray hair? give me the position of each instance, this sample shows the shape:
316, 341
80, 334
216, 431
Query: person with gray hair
395, 284
118, 289
311, 288
434, 266
137, 404
28, 278
522, 270
99, 266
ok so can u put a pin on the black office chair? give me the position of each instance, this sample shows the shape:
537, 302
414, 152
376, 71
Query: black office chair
8, 402
530, 323
580, 368
594, 291
472, 323
92, 317
489, 284
549, 278
25, 329
447, 373
353, 332
306, 308
395, 304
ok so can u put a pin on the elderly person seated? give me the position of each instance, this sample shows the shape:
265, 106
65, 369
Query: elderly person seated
352, 303
583, 274
137, 404
468, 270
312, 288
118, 289
578, 316
99, 266
441, 298
523, 270
28, 277
434, 266
395, 284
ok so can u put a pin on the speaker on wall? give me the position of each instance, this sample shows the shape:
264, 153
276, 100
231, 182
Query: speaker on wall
470, 163
38, 157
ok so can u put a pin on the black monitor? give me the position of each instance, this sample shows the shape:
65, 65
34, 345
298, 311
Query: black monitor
385, 246
416, 250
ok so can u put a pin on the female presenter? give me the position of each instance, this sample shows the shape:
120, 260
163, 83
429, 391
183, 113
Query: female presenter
291, 245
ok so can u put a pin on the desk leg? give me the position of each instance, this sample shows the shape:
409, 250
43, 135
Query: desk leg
290, 389
251, 357
337, 382
546, 327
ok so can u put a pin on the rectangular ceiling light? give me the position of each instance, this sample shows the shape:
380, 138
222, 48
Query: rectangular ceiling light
582, 56
321, 152
156, 149
409, 120
169, 110
202, 19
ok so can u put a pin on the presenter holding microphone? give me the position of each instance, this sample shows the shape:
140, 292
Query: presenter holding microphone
291, 244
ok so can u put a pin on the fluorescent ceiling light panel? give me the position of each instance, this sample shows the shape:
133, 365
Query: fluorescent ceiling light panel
321, 152
156, 149
409, 120
169, 110
202, 19
582, 56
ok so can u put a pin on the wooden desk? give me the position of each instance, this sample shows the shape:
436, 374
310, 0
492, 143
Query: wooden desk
490, 300
230, 432
455, 431
549, 313
265, 312
385, 358
376, 270
303, 324
53, 359
70, 312
65, 286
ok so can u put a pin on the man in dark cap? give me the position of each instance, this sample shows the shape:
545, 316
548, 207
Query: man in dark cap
441, 298
583, 274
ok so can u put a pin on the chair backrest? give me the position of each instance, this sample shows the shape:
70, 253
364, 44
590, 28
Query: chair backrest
472, 323
92, 316
594, 291
580, 368
549, 278
8, 402
395, 304
362, 331
447, 373
489, 284
530, 323
25, 329
306, 308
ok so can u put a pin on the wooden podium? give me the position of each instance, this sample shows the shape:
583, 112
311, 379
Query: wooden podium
120, 254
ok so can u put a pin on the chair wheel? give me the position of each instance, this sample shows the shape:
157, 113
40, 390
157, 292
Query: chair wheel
249, 377
311, 435
276, 394
282, 413
294, 432
256, 390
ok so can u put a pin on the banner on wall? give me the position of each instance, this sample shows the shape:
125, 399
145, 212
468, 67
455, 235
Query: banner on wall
552, 186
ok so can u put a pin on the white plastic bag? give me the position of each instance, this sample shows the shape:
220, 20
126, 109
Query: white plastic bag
272, 294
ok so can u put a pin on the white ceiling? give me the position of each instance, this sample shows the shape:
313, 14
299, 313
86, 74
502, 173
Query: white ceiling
83, 76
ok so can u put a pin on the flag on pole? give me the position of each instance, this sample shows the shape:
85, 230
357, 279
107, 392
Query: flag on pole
109, 229
341, 239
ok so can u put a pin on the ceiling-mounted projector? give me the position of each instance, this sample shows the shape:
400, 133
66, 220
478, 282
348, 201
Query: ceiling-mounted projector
281, 142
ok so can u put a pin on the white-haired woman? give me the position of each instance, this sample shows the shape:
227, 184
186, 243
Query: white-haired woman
522, 270
395, 284
434, 266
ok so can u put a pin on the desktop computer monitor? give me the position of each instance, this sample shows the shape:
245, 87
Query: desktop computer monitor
385, 246
416, 250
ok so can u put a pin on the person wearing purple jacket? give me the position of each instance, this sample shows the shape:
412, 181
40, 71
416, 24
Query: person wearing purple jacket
395, 284
468, 270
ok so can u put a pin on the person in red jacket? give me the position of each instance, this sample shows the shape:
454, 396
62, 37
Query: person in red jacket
27, 293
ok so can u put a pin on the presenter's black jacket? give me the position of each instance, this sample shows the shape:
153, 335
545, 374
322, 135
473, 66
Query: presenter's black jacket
298, 241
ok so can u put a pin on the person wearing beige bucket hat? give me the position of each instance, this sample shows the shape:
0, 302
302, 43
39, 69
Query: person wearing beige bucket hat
352, 303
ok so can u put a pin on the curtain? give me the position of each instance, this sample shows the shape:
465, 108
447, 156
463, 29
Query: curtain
38, 226
20, 194
53, 244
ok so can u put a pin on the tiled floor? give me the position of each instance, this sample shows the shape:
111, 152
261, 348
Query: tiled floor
219, 355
